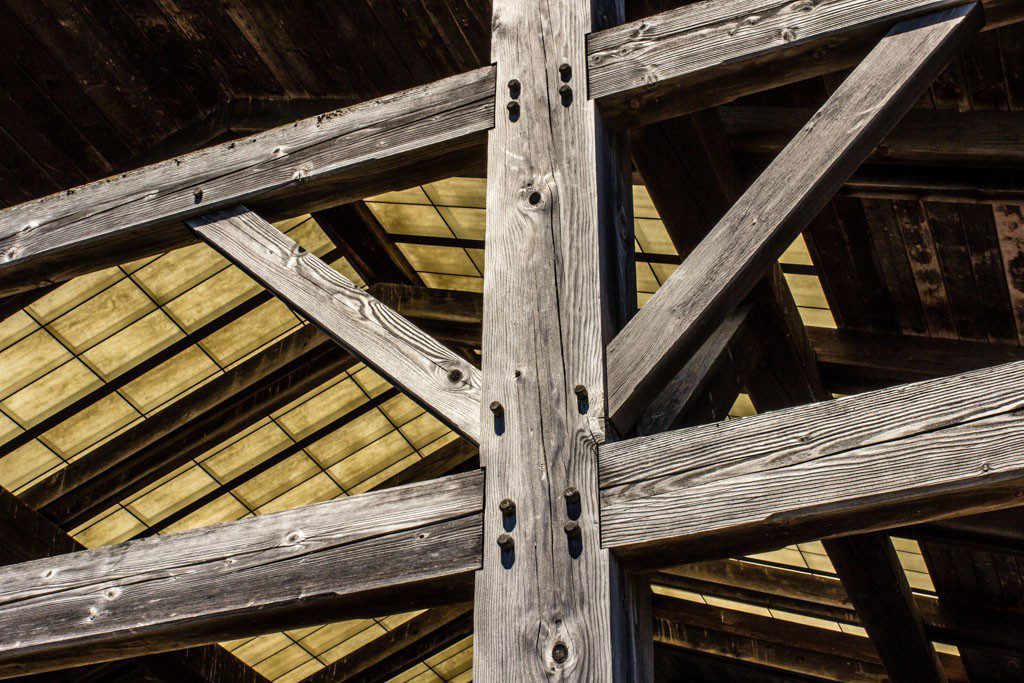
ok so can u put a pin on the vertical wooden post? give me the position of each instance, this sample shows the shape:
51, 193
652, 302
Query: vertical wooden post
550, 604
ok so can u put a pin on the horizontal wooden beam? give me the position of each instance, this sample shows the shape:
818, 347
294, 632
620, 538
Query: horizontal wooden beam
712, 52
746, 242
442, 382
852, 361
971, 138
873, 461
428, 132
404, 548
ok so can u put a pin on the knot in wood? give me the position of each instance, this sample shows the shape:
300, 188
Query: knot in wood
455, 375
560, 653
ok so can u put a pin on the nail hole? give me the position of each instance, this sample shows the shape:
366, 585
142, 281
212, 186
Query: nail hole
565, 71
566, 92
514, 88
198, 196
513, 111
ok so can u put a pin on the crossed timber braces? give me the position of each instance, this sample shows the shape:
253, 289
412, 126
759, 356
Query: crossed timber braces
558, 529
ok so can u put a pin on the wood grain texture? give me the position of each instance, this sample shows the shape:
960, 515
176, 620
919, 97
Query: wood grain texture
712, 52
912, 453
766, 219
442, 382
557, 285
372, 554
417, 135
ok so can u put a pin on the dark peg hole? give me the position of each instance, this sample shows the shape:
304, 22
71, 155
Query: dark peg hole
513, 111
565, 71
299, 249
573, 507
566, 93
574, 535
560, 653
534, 198
455, 376
515, 88
508, 550
198, 196
499, 418
582, 399
508, 514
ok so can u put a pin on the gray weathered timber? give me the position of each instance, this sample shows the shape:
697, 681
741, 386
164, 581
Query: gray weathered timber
755, 232
557, 285
715, 51
912, 453
442, 382
428, 132
372, 554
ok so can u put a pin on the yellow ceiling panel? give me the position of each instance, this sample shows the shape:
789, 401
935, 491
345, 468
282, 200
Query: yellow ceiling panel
353, 643
423, 430
172, 495
90, 427
401, 409
213, 297
250, 332
15, 328
470, 192
240, 455
368, 461
117, 527
643, 207
467, 224
356, 435
316, 489
50, 393
410, 219
30, 359
72, 293
26, 464
413, 195
322, 408
226, 508
372, 383
301, 673
165, 382
178, 271
652, 236
459, 282
111, 310
322, 639
448, 260
311, 237
132, 345
275, 481
371, 482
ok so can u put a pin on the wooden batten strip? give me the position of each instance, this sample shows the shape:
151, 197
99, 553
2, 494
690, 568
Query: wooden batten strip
369, 555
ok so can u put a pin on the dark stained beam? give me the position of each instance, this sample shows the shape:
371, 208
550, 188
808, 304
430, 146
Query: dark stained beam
373, 554
852, 361
913, 453
877, 586
780, 204
774, 643
440, 381
674, 664
824, 597
366, 245
422, 134
709, 53
923, 136
28, 536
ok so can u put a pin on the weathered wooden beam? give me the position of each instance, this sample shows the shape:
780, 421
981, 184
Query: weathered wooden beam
372, 554
27, 536
442, 382
759, 227
673, 664
558, 282
713, 52
188, 427
428, 132
913, 453
366, 245
923, 137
